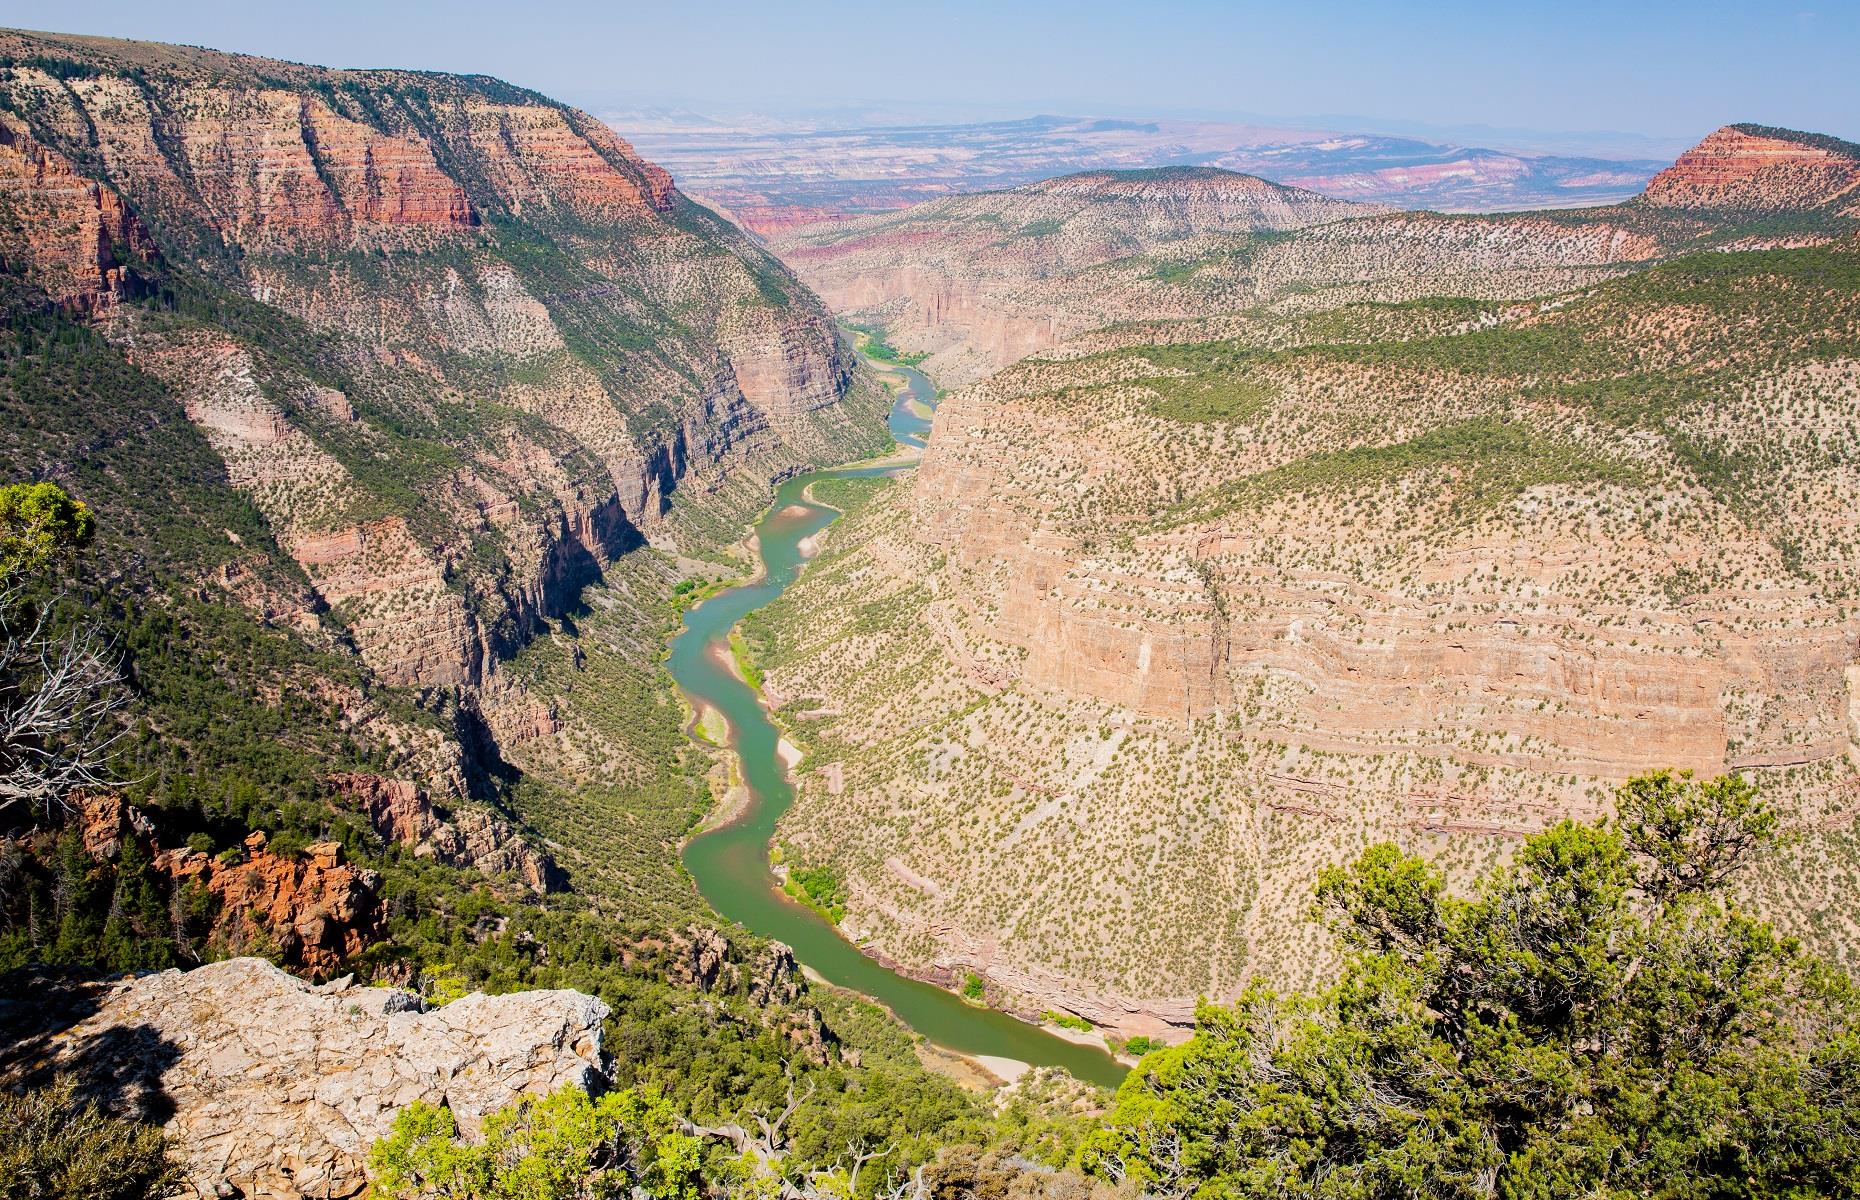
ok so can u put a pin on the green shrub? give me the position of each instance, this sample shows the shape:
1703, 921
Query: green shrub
58, 1146
564, 1146
821, 888
1597, 1020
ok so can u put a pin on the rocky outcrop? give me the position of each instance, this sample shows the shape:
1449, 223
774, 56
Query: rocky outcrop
70, 237
105, 823
401, 811
1757, 169
270, 1086
311, 909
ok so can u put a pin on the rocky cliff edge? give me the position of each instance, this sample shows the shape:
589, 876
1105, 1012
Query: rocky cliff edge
271, 1086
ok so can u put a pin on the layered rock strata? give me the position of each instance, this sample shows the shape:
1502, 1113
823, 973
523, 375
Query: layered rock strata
401, 811
1751, 168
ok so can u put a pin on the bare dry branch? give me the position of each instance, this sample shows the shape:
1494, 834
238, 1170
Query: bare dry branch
59, 689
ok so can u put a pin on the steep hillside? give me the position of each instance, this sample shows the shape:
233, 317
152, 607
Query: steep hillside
399, 370
942, 278
1156, 632
981, 280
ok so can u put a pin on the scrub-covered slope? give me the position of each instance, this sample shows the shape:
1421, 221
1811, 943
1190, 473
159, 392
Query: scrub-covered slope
1158, 630
977, 282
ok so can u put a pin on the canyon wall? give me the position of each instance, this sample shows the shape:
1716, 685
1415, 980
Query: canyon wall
1163, 625
980, 281
460, 347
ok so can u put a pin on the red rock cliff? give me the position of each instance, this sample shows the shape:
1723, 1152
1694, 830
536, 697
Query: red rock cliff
1754, 168
70, 236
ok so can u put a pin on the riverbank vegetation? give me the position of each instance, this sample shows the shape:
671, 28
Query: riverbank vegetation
871, 343
222, 741
822, 888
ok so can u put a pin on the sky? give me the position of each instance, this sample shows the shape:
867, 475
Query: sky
1660, 67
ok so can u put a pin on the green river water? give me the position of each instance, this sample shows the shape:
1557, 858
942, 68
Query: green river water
731, 864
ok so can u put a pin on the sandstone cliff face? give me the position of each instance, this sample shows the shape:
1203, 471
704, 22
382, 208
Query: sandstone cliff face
607, 363
62, 233
464, 352
401, 811
1750, 168
273, 1087
982, 280
1444, 574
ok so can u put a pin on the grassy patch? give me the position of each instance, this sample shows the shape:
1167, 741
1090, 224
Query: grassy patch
822, 888
872, 343
1480, 463
745, 662
1225, 396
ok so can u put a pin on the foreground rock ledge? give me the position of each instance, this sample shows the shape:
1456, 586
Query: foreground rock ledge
275, 1087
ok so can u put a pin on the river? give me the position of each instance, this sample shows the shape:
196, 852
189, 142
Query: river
730, 863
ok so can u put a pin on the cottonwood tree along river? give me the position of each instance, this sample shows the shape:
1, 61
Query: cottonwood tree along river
731, 863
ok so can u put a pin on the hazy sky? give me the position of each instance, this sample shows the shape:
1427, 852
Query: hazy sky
1671, 67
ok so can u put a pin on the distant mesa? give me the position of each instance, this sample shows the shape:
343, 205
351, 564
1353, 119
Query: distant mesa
1145, 183
1757, 168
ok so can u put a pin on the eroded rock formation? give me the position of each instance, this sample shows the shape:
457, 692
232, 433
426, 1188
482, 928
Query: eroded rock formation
462, 351
609, 363
1751, 168
1163, 625
401, 811
312, 910
67, 235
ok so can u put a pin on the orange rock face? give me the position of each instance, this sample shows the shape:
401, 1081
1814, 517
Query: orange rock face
69, 235
1750, 168
266, 166
314, 909
317, 910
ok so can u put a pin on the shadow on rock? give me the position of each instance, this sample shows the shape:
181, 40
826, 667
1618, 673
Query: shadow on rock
120, 1067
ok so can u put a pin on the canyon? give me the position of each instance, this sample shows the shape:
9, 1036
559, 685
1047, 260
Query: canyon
1435, 531
468, 357
1266, 519
977, 282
